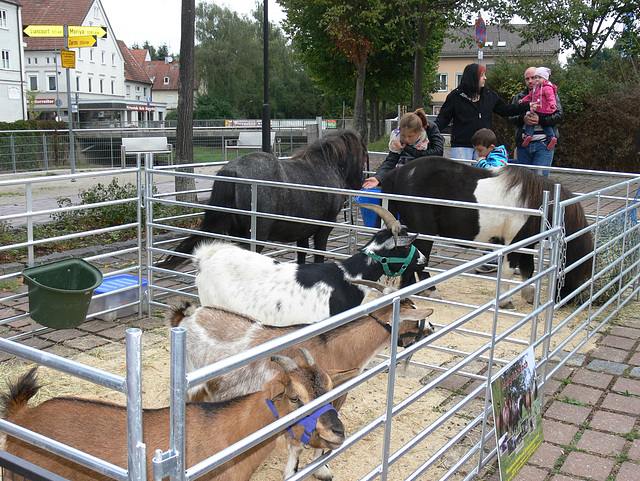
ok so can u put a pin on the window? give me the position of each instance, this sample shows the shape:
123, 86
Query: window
52, 82
137, 88
96, 12
113, 59
502, 43
90, 85
101, 86
3, 18
48, 60
35, 60
145, 91
458, 79
113, 87
79, 54
29, 60
104, 61
166, 80
78, 82
128, 90
443, 82
33, 83
5, 59
90, 54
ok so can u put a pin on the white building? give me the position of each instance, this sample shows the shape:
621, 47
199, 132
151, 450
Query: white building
100, 87
12, 85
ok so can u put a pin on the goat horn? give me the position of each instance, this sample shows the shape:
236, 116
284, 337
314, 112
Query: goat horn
286, 362
387, 217
307, 355
373, 284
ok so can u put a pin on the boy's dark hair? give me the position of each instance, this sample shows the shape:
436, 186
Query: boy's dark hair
484, 137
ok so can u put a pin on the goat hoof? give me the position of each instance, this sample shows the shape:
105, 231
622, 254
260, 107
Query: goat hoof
324, 474
507, 304
528, 294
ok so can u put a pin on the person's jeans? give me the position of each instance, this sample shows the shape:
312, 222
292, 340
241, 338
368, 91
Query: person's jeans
466, 153
536, 153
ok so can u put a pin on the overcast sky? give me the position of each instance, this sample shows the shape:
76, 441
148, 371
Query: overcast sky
158, 21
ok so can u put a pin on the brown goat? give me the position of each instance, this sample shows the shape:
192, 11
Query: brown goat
100, 428
214, 333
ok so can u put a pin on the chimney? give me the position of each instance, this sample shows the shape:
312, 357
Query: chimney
168, 60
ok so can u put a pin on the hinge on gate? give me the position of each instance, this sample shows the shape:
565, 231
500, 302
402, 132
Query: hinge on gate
164, 464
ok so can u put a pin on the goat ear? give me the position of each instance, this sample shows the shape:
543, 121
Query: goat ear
277, 389
341, 376
415, 314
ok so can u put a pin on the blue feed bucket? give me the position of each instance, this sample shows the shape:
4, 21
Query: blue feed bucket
369, 217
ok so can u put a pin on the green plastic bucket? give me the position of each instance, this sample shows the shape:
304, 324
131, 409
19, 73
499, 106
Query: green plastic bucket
60, 292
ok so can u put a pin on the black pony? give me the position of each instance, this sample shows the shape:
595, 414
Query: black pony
509, 186
335, 160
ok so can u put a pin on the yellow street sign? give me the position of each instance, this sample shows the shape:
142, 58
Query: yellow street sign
58, 31
100, 32
68, 58
84, 41
44, 31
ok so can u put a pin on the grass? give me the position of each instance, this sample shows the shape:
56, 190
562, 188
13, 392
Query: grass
381, 145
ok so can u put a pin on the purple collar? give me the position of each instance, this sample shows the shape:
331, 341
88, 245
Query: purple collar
309, 422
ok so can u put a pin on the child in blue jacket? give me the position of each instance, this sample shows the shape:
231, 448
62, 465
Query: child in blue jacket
484, 141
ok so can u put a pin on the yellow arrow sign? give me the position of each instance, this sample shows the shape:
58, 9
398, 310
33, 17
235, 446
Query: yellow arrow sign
99, 32
84, 41
44, 31
58, 31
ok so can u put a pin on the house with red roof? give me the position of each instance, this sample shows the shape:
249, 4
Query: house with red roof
107, 87
164, 75
12, 85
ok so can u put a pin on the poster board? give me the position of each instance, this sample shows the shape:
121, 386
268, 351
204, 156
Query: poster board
517, 412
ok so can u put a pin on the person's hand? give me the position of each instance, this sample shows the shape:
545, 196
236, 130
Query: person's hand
531, 118
370, 183
553, 106
534, 106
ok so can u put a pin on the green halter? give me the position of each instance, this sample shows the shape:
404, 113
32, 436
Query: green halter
385, 261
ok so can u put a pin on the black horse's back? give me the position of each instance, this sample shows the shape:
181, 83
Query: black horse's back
333, 161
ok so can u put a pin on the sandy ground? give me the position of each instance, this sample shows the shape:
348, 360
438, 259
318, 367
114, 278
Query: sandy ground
364, 404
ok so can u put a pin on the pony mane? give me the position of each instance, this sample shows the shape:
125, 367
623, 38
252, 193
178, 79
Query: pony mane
343, 148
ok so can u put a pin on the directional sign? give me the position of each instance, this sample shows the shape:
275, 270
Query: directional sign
481, 32
68, 58
58, 31
84, 41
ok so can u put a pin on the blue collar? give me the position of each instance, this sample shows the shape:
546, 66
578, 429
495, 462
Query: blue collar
385, 261
309, 422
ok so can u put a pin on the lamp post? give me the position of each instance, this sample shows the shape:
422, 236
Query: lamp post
266, 110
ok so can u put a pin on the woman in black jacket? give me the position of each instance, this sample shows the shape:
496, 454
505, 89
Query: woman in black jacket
470, 107
414, 137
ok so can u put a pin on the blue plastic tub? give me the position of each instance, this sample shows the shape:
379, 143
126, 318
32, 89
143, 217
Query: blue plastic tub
369, 217
112, 299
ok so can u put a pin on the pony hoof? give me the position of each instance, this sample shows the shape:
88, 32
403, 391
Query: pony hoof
507, 304
432, 293
528, 294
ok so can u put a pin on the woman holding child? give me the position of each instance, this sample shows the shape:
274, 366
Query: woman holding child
469, 107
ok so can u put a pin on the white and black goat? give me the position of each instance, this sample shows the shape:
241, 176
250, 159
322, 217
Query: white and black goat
283, 294
215, 333
100, 428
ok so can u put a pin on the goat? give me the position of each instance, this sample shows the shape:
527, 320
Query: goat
100, 428
284, 293
214, 333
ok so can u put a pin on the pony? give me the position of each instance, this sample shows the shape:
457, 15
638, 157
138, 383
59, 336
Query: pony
335, 160
509, 186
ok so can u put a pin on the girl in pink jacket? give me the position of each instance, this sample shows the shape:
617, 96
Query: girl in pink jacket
543, 103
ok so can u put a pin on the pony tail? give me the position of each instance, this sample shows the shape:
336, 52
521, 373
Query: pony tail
423, 117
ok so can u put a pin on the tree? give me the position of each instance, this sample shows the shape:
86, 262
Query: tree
184, 129
584, 26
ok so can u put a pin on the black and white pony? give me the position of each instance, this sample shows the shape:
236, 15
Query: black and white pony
509, 186
335, 160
